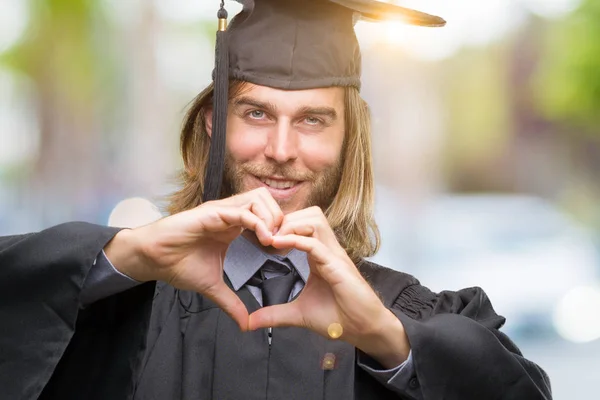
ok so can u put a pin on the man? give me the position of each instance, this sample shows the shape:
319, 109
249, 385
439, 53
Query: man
263, 289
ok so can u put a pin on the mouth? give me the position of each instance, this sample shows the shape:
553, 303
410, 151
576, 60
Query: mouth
279, 188
278, 184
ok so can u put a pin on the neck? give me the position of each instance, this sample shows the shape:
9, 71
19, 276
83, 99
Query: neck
251, 236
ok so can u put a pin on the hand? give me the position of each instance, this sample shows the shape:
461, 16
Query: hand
335, 292
187, 249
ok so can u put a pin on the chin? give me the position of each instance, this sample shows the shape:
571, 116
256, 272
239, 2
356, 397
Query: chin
290, 205
288, 209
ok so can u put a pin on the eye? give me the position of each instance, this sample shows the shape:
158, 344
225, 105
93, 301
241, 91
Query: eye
312, 121
256, 114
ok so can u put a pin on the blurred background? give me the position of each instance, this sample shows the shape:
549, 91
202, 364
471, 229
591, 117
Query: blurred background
486, 137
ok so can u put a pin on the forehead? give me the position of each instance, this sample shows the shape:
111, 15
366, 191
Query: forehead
292, 99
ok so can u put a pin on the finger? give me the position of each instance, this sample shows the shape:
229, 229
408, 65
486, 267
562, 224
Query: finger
245, 218
309, 222
259, 201
305, 213
331, 265
273, 207
260, 229
303, 227
276, 316
259, 207
315, 248
245, 198
230, 303
239, 200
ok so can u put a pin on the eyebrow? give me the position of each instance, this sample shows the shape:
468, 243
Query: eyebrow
249, 101
272, 108
322, 111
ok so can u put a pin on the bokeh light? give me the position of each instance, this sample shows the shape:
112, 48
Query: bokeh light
133, 213
13, 22
577, 315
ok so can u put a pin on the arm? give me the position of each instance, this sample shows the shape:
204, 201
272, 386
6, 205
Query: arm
401, 379
456, 346
104, 280
459, 351
52, 347
41, 279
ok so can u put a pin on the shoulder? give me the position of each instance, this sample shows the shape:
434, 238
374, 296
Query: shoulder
387, 282
377, 274
399, 290
404, 292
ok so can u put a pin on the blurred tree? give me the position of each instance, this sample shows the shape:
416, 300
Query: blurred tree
568, 83
106, 115
480, 123
567, 91
61, 55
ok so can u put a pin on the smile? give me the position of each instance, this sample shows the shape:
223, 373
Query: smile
280, 189
276, 184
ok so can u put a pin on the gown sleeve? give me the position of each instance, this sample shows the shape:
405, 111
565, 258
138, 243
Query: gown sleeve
51, 347
459, 351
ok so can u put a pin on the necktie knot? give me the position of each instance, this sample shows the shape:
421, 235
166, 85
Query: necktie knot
276, 282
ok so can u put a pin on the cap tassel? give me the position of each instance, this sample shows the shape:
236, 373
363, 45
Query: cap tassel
216, 158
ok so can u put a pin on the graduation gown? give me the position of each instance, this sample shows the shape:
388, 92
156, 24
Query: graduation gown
156, 342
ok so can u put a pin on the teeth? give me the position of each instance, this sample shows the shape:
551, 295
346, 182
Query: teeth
278, 184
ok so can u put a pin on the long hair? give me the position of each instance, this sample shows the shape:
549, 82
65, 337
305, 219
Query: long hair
350, 213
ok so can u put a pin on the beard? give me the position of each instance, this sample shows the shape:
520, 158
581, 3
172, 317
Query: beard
323, 185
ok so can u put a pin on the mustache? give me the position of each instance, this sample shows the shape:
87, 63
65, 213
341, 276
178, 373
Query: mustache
286, 172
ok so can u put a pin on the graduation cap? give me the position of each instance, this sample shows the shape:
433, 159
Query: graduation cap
293, 45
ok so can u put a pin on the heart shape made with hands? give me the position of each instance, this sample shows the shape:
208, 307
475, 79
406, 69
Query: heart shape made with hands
201, 237
187, 250
326, 303
306, 230
335, 291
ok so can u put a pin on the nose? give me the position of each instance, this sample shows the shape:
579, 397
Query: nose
282, 146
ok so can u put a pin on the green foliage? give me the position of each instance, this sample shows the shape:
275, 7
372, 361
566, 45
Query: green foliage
568, 83
479, 120
59, 47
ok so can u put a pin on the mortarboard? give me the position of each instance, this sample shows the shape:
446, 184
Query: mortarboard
293, 45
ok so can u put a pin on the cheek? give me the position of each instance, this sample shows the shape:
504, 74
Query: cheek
319, 153
242, 145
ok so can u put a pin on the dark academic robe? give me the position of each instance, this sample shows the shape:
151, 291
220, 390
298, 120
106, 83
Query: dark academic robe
156, 342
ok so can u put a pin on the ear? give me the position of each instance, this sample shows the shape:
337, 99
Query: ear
208, 121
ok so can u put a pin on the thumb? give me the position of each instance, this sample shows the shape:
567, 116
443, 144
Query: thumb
276, 316
230, 303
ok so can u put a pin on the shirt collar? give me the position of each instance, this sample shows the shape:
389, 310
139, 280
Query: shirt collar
244, 259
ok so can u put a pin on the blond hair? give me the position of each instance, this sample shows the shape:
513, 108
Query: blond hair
350, 213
